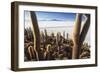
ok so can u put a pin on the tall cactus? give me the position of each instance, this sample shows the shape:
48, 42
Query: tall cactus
79, 37
76, 36
36, 34
63, 34
85, 29
46, 35
67, 35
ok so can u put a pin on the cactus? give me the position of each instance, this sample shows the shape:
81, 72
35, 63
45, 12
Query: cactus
67, 36
76, 35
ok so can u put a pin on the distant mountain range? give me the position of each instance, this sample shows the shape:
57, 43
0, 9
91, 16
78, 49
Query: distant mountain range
52, 20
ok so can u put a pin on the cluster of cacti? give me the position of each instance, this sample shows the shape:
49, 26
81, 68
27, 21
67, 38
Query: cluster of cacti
85, 51
53, 47
28, 44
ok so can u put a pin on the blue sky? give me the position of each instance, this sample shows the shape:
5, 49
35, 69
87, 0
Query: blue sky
55, 16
